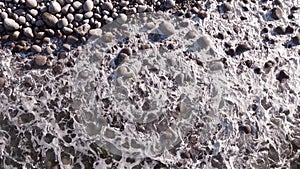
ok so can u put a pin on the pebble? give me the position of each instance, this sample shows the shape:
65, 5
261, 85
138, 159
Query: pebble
282, 76
166, 28
36, 49
276, 13
72, 39
77, 5
88, 14
67, 30
296, 39
58, 68
88, 5
107, 6
279, 30
10, 24
191, 34
204, 42
28, 32
62, 23
127, 51
122, 18
2, 81
40, 60
83, 29
50, 19
78, 17
242, 47
31, 3
95, 32
4, 15
169, 3
54, 7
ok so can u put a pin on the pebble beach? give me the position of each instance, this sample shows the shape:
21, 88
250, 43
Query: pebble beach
144, 84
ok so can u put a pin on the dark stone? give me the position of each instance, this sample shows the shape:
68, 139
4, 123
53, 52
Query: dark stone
257, 70
276, 13
242, 47
248, 63
279, 30
245, 128
282, 76
120, 59
296, 39
289, 30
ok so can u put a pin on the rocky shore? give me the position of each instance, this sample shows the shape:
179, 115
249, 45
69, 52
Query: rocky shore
149, 84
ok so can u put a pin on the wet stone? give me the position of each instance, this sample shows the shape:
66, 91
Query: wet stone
282, 76
40, 60
242, 47
2, 82
279, 30
276, 13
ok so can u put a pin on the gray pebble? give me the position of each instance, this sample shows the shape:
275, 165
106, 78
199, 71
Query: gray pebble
166, 28
70, 17
28, 32
34, 12
62, 23
88, 5
67, 30
276, 13
68, 1
22, 20
39, 23
72, 39
170, 3
142, 8
4, 15
65, 9
141, 2
50, 19
36, 49
203, 42
95, 32
77, 5
20, 12
10, 24
88, 14
107, 6
78, 17
54, 7
31, 3
191, 34
40, 35
83, 29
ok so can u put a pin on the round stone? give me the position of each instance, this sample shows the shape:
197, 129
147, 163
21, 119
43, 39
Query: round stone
40, 60
62, 23
54, 7
107, 6
31, 3
77, 5
10, 24
276, 13
36, 48
50, 19
170, 3
2, 81
78, 17
166, 28
88, 5
28, 32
